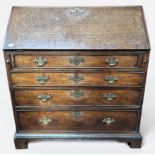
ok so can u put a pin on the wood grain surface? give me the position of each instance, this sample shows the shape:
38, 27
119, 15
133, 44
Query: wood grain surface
89, 121
60, 28
86, 97
86, 79
74, 61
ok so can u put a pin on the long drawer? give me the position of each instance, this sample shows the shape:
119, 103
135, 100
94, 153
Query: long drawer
78, 79
91, 61
79, 121
76, 97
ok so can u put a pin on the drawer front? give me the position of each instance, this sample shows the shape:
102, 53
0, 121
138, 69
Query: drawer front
76, 97
47, 61
77, 79
82, 121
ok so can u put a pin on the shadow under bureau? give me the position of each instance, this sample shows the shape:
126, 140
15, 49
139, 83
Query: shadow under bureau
77, 73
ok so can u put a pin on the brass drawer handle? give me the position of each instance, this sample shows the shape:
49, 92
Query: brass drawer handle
76, 60
40, 61
42, 79
77, 93
77, 115
111, 79
112, 61
109, 96
76, 78
45, 121
108, 120
44, 97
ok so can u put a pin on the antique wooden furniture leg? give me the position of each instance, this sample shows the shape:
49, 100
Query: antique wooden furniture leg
21, 143
22, 140
135, 143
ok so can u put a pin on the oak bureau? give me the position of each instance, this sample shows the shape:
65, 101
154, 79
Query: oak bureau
77, 73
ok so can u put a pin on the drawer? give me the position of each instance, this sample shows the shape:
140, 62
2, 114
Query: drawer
77, 79
50, 61
79, 97
79, 121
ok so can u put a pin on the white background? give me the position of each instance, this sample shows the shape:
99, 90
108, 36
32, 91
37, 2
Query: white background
7, 126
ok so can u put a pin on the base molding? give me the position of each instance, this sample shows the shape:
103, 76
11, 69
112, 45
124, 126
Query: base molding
21, 140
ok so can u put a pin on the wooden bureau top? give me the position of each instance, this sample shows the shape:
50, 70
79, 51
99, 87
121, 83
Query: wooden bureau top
100, 28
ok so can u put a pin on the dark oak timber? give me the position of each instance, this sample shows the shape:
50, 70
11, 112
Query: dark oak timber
133, 139
77, 73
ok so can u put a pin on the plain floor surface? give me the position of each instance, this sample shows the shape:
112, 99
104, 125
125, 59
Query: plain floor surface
7, 126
